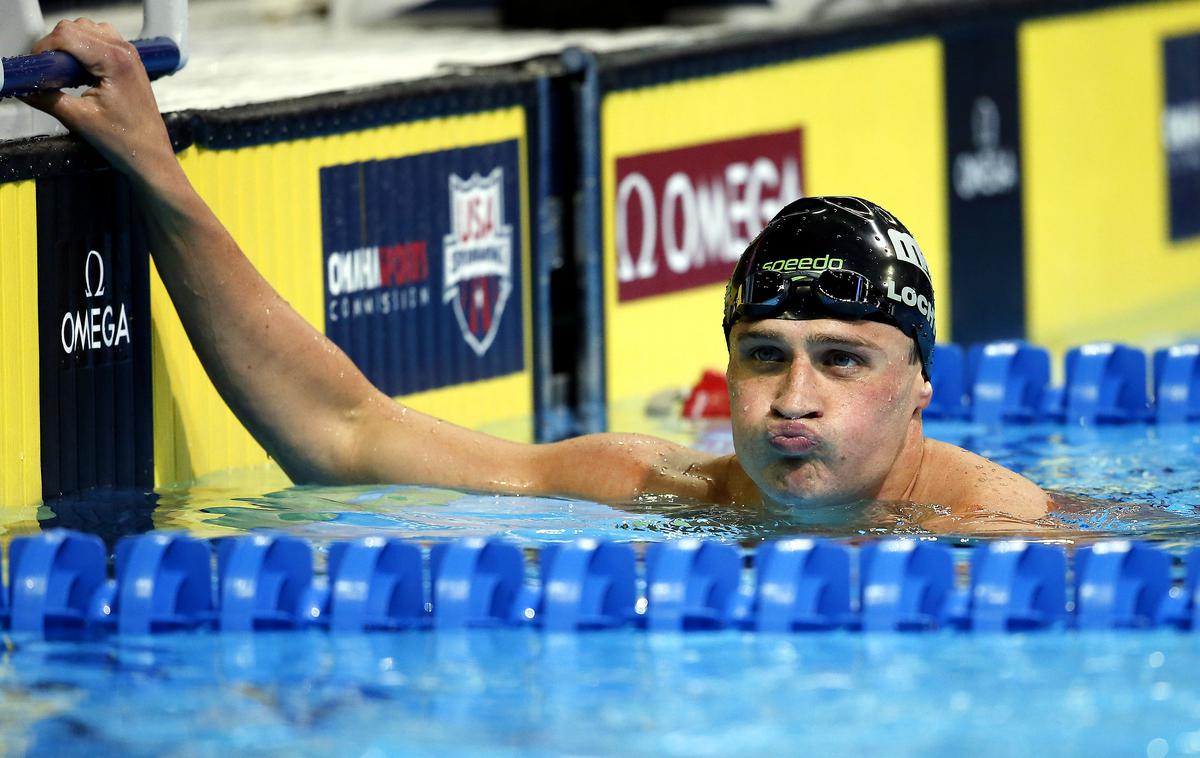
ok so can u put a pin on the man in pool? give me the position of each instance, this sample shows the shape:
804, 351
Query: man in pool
829, 318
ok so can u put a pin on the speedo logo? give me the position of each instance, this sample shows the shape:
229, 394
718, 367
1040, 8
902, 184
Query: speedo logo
820, 263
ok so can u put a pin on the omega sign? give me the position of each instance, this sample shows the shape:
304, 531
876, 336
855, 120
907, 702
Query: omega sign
683, 217
991, 168
94, 326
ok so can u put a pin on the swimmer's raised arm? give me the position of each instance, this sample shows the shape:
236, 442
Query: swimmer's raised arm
270, 366
828, 377
298, 393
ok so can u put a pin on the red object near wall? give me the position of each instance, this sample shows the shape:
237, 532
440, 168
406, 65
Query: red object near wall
709, 398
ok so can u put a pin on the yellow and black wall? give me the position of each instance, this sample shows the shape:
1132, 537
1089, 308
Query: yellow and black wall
1046, 155
396, 220
398, 226
536, 249
1110, 135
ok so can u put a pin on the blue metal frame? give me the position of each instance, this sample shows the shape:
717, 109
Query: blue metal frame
592, 398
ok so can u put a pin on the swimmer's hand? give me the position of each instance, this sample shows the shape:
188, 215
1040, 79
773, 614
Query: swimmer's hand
118, 115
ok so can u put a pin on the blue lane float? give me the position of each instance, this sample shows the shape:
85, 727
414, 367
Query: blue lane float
692, 584
1018, 586
373, 584
948, 377
53, 578
59, 586
1191, 592
263, 582
1177, 384
1126, 585
163, 582
908, 586
1008, 382
1105, 383
802, 584
587, 585
477, 583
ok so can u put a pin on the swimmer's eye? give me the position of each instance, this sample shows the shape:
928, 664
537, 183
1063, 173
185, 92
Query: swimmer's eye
765, 354
842, 359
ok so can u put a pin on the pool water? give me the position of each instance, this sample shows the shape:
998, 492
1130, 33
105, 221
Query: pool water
1120, 481
520, 692
516, 692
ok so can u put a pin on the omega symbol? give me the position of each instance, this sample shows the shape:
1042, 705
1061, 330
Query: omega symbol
87, 275
94, 327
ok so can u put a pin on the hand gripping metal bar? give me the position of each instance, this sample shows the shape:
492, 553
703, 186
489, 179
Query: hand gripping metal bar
162, 47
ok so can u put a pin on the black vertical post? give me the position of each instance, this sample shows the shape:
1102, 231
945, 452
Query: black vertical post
987, 271
94, 336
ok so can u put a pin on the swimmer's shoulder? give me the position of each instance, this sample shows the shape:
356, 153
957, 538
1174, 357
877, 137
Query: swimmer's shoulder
965, 481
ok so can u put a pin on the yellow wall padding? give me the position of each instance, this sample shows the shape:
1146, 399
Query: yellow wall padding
20, 442
872, 125
269, 198
1100, 264
20, 413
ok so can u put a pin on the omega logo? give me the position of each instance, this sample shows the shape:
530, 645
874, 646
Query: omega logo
989, 169
98, 326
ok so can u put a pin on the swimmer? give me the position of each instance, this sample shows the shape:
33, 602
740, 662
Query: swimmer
829, 318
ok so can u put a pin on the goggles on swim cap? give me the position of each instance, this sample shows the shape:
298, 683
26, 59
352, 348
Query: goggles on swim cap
770, 294
838, 293
835, 257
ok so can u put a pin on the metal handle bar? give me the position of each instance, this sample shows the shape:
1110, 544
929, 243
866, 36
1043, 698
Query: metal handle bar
162, 46
25, 74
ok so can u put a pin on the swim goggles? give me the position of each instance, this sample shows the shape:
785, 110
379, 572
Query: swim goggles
769, 294
838, 292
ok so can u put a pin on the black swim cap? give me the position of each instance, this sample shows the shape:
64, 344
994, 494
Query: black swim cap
835, 257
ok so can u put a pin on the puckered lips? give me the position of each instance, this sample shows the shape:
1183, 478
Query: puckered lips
793, 438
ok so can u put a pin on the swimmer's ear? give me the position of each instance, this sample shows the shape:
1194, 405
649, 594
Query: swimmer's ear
924, 393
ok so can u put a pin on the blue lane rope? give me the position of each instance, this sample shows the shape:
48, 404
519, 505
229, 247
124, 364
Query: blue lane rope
1008, 382
59, 586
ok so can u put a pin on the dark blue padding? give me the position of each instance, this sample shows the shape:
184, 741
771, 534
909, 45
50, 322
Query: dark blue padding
1105, 383
375, 584
53, 578
587, 585
802, 584
691, 585
163, 583
476, 582
96, 418
949, 383
907, 585
1017, 585
1122, 585
405, 204
262, 582
1008, 382
1177, 384
986, 236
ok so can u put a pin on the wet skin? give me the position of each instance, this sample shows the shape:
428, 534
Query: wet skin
825, 412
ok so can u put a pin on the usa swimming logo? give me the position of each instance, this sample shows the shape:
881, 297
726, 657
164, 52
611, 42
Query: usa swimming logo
478, 257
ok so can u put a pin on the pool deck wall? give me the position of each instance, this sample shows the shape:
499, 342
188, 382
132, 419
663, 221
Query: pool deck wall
347, 203
1039, 151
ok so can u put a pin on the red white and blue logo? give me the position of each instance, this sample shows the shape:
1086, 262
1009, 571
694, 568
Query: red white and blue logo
422, 261
478, 270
